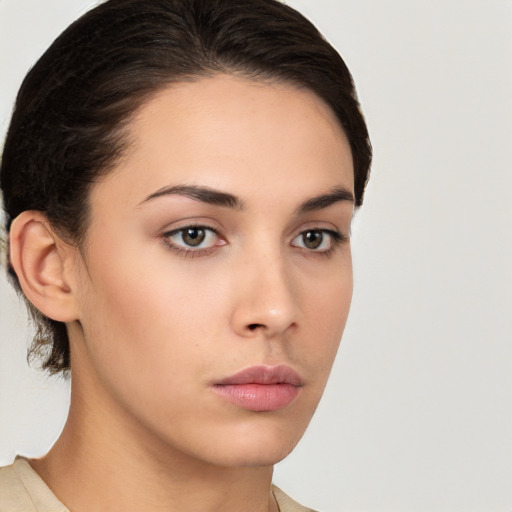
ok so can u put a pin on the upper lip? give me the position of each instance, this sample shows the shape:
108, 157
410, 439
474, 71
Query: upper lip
263, 374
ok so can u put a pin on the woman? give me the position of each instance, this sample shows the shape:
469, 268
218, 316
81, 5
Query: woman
179, 178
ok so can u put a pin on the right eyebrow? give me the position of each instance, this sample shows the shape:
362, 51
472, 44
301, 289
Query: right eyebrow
199, 193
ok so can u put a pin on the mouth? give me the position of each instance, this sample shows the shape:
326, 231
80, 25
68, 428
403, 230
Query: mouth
261, 388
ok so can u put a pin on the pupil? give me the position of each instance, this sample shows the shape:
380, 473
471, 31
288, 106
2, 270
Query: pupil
313, 239
193, 236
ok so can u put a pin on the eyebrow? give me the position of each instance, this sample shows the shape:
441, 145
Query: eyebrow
218, 198
314, 204
200, 193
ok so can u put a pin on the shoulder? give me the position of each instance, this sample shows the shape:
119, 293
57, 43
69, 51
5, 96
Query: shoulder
13, 495
286, 504
22, 490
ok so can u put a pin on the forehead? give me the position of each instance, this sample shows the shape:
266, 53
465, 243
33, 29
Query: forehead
235, 134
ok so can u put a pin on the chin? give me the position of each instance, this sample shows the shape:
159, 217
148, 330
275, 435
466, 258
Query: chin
257, 456
253, 444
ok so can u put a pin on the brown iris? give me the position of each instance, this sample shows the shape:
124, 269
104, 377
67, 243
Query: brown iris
193, 236
312, 239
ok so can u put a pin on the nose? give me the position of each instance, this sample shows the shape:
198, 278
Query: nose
266, 300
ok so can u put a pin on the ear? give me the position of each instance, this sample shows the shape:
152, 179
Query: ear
44, 265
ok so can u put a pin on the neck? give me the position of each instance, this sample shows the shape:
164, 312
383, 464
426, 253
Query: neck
104, 461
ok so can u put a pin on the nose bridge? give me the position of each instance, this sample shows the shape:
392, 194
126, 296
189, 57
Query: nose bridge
268, 301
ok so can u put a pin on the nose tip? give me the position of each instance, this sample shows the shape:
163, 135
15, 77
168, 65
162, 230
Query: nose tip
267, 304
275, 321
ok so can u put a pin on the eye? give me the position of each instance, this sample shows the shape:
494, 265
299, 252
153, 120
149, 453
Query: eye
193, 239
319, 240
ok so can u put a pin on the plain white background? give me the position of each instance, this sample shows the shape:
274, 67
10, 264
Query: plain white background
418, 412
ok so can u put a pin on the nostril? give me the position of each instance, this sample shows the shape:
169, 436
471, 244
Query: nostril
253, 327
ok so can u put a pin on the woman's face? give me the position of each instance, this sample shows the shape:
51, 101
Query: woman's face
216, 276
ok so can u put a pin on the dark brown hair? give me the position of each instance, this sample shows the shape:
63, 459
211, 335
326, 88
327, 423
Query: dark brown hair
67, 127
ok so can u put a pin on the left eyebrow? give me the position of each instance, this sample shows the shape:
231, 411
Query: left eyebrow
336, 195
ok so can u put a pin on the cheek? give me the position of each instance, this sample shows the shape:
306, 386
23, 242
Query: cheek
157, 315
326, 315
145, 337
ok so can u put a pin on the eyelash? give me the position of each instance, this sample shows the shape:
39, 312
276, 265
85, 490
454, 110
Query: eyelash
336, 239
190, 252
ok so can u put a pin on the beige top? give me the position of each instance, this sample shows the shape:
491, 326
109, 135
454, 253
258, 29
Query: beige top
23, 490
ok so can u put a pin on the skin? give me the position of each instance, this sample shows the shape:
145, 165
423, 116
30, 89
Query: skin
154, 322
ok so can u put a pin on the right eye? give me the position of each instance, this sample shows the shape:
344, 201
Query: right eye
193, 239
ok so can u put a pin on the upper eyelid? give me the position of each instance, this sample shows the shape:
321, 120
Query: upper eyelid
170, 233
199, 225
320, 226
335, 234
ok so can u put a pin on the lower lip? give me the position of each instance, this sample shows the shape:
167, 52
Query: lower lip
259, 397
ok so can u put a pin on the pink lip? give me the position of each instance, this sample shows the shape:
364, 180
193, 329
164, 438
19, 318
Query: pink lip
261, 388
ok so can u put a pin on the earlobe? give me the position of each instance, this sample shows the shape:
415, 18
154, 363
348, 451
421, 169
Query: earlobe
41, 260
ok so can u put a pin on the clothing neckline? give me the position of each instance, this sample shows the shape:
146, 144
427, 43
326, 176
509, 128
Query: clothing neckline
44, 500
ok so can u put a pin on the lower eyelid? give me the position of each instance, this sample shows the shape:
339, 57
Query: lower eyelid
186, 250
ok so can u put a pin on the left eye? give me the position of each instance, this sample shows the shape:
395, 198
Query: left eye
315, 240
199, 237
